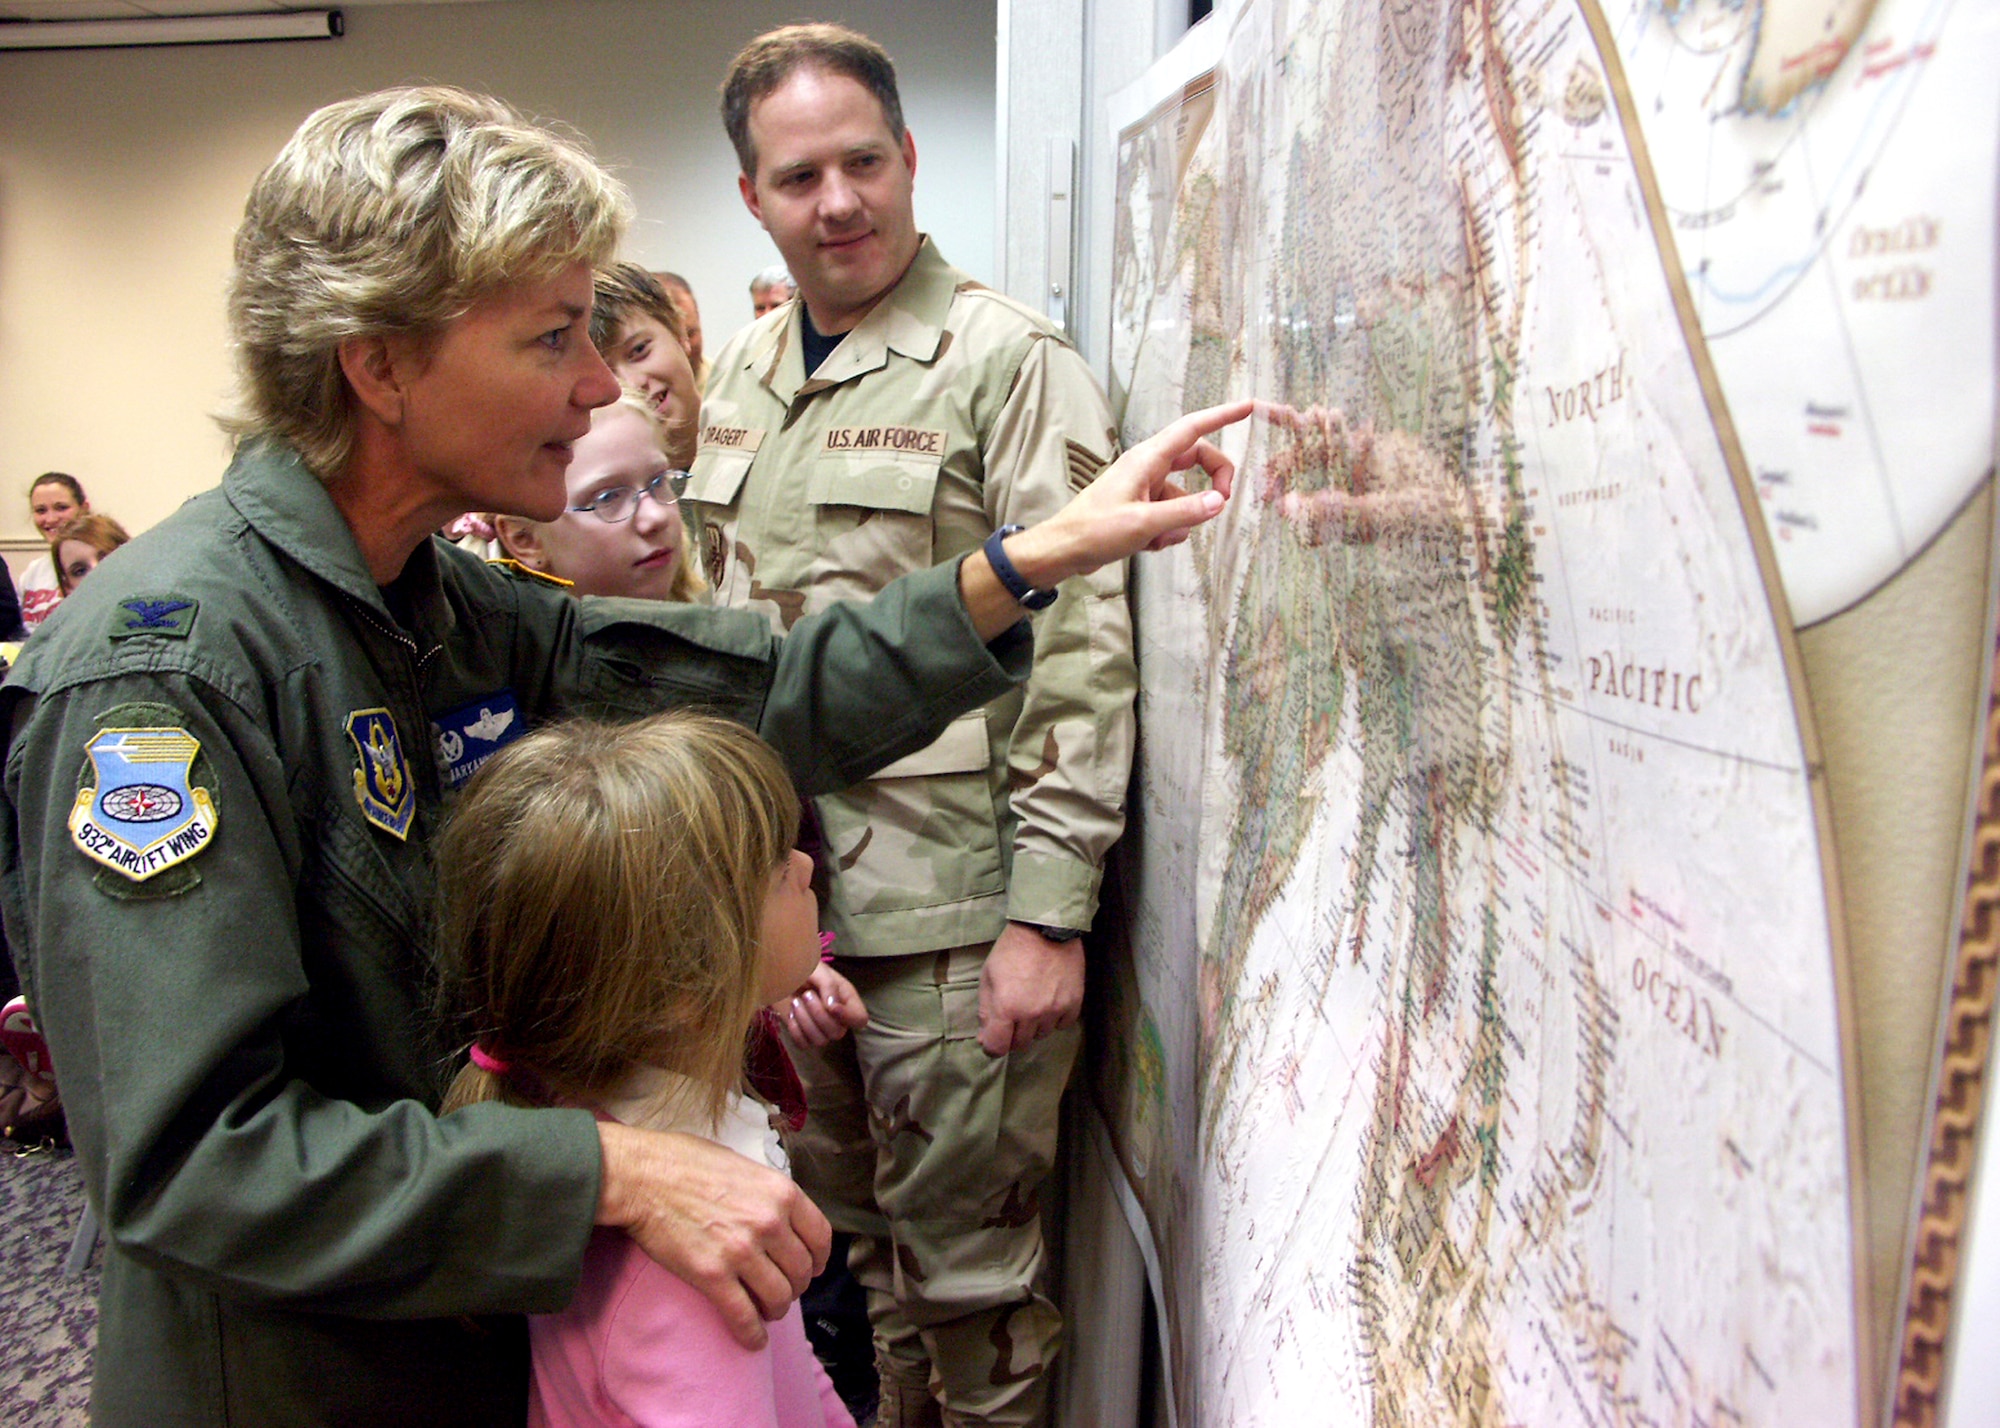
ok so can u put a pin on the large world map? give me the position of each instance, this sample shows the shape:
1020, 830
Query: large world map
1475, 1053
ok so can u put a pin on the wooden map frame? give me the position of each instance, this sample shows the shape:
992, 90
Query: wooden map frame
1959, 1088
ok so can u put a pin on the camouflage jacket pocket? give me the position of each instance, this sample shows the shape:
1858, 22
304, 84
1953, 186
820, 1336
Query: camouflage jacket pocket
872, 511
923, 833
718, 475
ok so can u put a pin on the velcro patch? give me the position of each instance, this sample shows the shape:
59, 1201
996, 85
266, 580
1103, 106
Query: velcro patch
139, 809
473, 733
382, 783
170, 615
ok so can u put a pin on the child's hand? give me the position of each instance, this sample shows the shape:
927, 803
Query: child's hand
824, 1010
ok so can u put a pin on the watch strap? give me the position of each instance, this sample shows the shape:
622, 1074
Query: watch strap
1054, 934
1025, 594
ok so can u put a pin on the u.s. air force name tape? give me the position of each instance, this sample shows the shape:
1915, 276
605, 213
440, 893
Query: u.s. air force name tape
143, 815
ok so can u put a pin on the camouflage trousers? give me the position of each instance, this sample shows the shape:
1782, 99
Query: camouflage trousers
931, 1153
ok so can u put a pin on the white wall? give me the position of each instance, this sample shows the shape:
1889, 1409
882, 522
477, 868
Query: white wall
1060, 62
122, 176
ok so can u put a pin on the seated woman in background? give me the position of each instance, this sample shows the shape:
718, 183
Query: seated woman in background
79, 543
53, 498
621, 533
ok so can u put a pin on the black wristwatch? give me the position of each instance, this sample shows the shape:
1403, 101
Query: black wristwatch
1053, 934
1029, 597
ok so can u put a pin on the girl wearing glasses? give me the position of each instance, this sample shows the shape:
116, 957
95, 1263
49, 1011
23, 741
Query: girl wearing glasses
621, 533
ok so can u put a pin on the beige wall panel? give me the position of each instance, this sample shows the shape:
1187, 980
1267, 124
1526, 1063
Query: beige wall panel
1895, 687
122, 176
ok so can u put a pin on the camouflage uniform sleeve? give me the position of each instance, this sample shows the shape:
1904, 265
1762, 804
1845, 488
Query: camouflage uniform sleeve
1071, 752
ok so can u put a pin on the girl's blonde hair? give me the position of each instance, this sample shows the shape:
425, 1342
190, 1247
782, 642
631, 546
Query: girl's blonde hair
602, 891
688, 586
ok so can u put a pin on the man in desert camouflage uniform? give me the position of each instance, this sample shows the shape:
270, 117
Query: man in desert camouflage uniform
894, 419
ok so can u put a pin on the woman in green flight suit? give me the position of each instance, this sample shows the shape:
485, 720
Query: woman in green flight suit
230, 748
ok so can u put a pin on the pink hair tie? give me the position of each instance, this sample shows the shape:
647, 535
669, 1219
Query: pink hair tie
826, 947
486, 1061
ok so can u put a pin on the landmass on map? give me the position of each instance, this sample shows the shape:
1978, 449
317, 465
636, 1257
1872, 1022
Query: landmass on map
1460, 731
1800, 43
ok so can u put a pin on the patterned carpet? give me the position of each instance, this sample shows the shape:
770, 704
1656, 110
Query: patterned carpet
47, 1323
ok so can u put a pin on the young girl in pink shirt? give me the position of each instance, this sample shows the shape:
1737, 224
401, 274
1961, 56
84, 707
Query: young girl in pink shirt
618, 901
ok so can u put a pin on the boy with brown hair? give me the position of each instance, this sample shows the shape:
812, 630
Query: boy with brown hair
636, 327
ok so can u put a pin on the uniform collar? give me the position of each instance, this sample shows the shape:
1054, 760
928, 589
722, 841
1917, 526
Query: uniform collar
288, 506
909, 320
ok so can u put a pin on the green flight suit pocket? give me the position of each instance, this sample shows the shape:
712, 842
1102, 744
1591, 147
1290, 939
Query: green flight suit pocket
923, 832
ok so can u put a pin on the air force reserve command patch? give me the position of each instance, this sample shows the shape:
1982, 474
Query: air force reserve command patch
473, 733
139, 811
382, 780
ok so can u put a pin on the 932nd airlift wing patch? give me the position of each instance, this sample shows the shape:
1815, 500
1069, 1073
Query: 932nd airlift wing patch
139, 809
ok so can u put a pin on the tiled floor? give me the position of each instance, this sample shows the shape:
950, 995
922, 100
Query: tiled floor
48, 1324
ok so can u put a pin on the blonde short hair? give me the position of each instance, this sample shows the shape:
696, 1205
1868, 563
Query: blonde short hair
396, 213
602, 895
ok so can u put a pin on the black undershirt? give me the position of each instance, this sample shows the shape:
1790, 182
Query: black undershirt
814, 346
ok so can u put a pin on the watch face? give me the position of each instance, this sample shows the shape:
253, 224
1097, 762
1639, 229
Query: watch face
1037, 600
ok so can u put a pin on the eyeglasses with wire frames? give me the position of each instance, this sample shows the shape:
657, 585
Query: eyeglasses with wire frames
618, 504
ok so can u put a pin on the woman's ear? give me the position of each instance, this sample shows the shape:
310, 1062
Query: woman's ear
378, 369
522, 540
